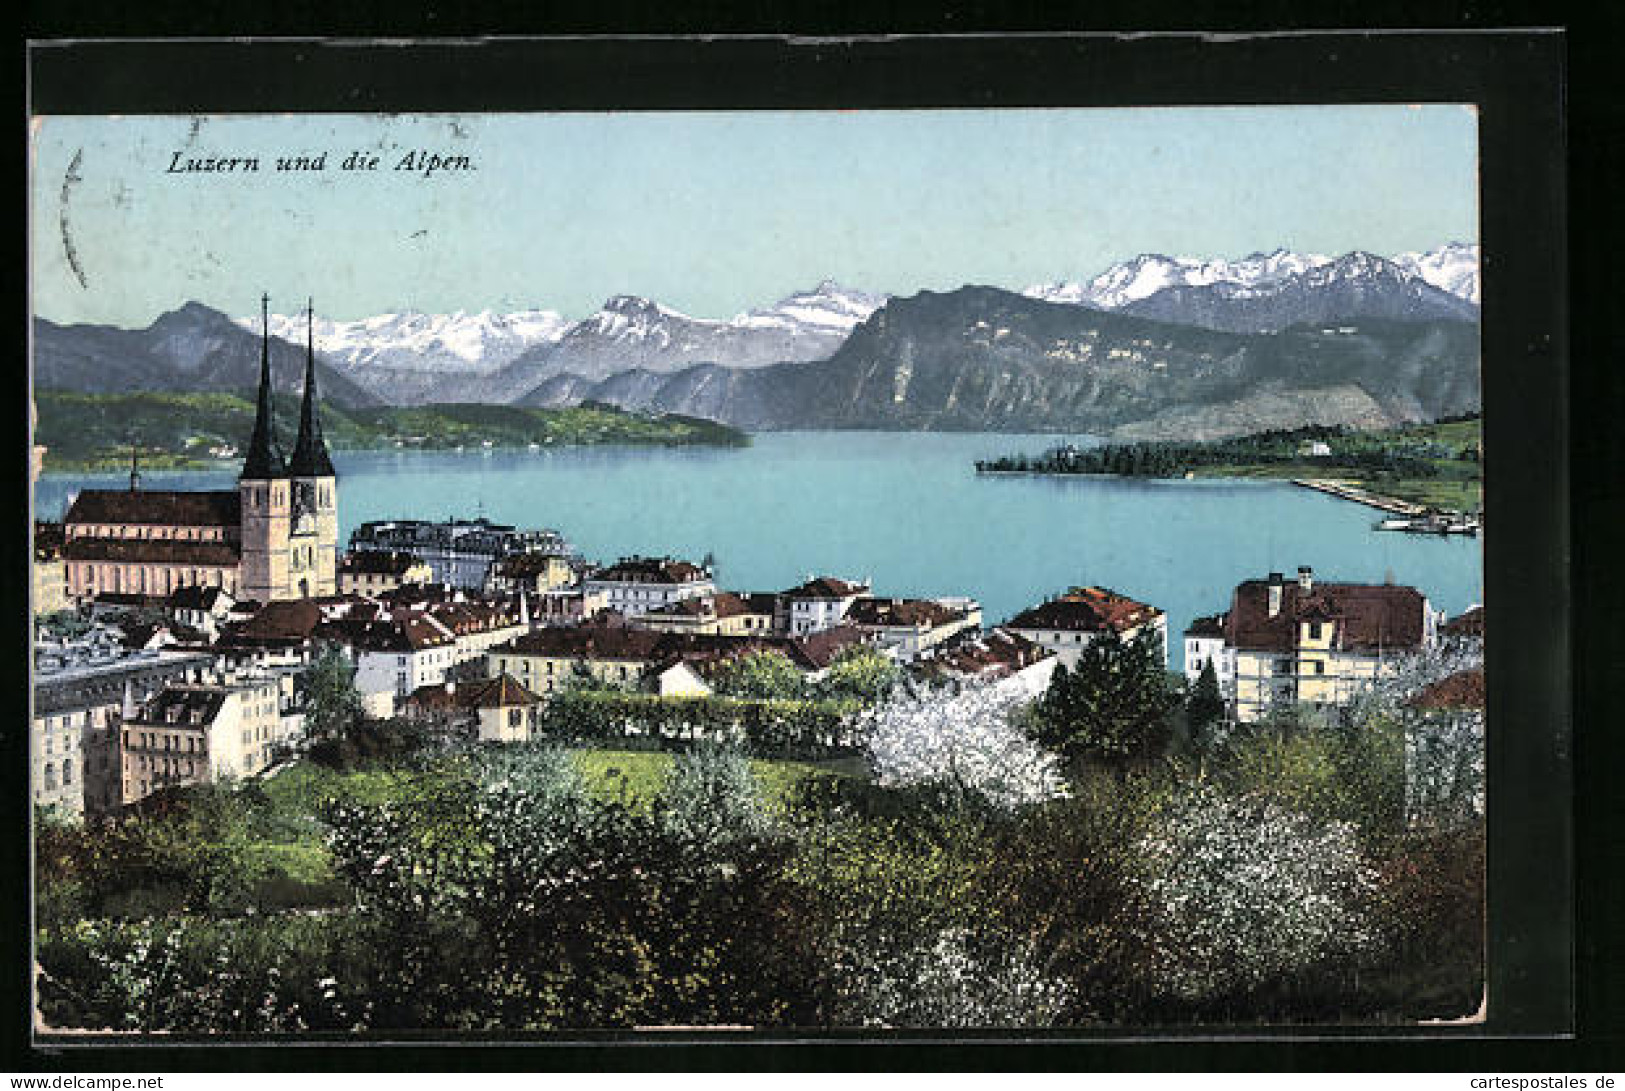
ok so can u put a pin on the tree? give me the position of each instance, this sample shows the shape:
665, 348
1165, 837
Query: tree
1240, 894
1113, 705
332, 703
1205, 704
861, 672
761, 674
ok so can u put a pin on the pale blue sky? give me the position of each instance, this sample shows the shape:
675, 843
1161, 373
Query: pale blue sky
714, 213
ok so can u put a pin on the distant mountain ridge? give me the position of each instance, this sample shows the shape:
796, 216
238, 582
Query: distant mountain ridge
1265, 292
193, 348
985, 359
414, 358
1183, 344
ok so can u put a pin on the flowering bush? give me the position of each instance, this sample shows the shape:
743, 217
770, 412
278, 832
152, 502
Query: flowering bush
947, 980
1240, 894
967, 740
712, 797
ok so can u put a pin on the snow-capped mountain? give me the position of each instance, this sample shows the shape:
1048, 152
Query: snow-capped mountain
488, 356
1271, 291
401, 357
1452, 267
1130, 281
827, 307
1355, 286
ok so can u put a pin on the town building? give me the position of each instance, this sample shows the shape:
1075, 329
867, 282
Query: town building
81, 690
204, 610
639, 585
205, 732
1204, 646
460, 552
530, 574
493, 709
372, 572
974, 656
273, 537
548, 660
907, 629
1303, 640
552, 659
1065, 625
723, 613
400, 648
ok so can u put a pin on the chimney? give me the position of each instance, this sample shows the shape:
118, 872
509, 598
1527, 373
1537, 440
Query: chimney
1276, 581
1306, 578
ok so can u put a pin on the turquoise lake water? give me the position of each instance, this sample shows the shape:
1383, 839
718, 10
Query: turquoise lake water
907, 509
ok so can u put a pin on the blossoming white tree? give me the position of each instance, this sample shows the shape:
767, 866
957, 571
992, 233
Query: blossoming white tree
967, 739
1239, 893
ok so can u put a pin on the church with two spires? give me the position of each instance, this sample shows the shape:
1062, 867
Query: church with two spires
274, 537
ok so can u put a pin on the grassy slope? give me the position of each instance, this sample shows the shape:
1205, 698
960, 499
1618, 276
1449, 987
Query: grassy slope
94, 431
1459, 486
293, 848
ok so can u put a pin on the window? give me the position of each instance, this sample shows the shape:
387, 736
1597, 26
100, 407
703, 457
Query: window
67, 773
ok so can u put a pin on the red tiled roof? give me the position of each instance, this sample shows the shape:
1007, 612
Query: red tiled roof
503, 691
1368, 617
895, 612
1464, 689
597, 642
999, 654
818, 650
1086, 609
288, 620
650, 570
825, 587
221, 508
153, 551
1470, 623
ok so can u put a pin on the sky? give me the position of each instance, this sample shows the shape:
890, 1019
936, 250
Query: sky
713, 213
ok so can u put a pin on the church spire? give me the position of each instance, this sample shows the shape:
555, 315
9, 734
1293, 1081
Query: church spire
264, 459
310, 451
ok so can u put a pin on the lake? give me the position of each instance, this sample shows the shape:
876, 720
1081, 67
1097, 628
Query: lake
906, 509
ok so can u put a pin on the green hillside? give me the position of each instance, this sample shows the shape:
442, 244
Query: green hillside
95, 431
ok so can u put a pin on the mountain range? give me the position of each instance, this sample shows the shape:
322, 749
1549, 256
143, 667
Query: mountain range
192, 349
981, 358
1154, 343
416, 358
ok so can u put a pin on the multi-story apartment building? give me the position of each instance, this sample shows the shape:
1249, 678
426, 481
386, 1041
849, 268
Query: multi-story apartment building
81, 691
911, 628
1066, 625
373, 571
820, 603
460, 552
639, 585
1287, 641
203, 732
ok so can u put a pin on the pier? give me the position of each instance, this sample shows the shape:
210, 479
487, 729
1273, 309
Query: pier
1360, 496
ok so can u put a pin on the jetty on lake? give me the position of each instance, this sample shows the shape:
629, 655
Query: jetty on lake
1404, 515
